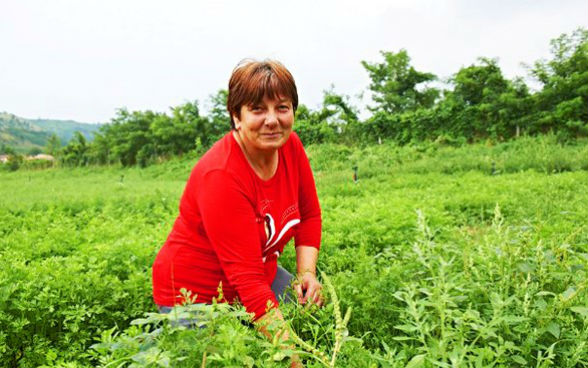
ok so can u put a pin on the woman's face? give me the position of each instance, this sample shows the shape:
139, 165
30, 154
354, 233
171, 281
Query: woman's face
265, 126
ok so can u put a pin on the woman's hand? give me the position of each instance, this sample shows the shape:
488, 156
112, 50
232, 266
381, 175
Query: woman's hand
307, 286
308, 289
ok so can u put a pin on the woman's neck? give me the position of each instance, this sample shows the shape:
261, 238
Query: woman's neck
264, 163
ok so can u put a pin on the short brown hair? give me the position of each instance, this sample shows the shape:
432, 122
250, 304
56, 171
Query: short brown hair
252, 80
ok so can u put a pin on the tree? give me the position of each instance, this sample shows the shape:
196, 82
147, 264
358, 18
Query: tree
53, 145
476, 100
482, 83
128, 133
397, 86
99, 150
177, 134
332, 120
218, 117
562, 104
5, 149
75, 152
33, 151
483, 104
312, 127
15, 161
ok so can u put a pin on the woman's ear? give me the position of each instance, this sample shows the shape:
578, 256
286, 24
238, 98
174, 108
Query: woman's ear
237, 122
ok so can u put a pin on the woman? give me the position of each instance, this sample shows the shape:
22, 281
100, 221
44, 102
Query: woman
245, 199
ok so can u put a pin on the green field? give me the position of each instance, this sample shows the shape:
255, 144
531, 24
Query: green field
473, 256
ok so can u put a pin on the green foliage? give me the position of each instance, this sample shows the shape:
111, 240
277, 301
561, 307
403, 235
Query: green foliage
475, 84
6, 149
144, 137
34, 151
15, 161
480, 96
436, 273
53, 145
75, 152
395, 84
449, 255
37, 164
221, 336
219, 115
336, 118
482, 103
562, 104
479, 104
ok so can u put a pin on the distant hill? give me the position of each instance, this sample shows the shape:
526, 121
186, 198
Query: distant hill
24, 134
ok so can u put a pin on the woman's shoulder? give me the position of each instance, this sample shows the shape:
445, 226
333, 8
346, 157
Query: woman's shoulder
217, 155
293, 144
295, 139
294, 148
222, 156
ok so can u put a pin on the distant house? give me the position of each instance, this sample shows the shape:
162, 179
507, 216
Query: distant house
41, 156
3, 159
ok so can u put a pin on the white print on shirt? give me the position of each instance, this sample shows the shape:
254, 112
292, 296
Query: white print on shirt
271, 232
264, 205
288, 212
270, 227
284, 231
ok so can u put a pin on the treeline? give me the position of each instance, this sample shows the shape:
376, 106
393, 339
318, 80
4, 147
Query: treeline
144, 137
478, 102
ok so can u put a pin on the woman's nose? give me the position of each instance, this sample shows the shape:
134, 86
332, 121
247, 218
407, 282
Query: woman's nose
271, 118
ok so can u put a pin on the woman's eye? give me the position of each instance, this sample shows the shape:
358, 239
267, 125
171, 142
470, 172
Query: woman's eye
284, 107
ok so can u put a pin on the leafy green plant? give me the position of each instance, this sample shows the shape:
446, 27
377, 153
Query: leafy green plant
435, 272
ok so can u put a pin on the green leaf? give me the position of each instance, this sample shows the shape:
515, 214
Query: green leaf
406, 328
579, 309
554, 329
519, 359
279, 356
163, 361
566, 295
139, 321
403, 338
511, 320
525, 267
51, 355
248, 361
416, 361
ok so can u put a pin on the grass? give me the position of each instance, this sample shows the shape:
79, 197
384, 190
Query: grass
472, 256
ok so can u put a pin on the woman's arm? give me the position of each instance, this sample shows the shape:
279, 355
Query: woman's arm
230, 224
308, 233
307, 287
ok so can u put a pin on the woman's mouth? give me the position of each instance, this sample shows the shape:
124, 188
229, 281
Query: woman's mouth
273, 135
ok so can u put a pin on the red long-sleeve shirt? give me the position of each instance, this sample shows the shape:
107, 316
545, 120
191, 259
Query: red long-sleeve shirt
233, 225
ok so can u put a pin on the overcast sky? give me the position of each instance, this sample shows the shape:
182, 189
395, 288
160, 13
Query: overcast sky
82, 60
